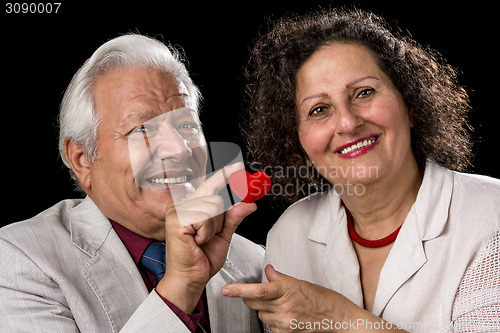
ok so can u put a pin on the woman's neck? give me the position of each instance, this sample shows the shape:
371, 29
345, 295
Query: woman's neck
385, 203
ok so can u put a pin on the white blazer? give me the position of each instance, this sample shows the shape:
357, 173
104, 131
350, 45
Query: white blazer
66, 270
453, 219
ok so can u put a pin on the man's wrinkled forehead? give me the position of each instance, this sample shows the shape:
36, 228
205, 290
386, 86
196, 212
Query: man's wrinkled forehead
133, 96
158, 87
143, 85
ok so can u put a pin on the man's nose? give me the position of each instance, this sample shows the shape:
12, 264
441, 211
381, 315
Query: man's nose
172, 145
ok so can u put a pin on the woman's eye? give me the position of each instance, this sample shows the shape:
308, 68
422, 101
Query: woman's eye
317, 111
365, 93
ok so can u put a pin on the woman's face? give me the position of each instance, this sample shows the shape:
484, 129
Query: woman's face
353, 123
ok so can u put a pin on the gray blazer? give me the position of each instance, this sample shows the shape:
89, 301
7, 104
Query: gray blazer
66, 270
448, 228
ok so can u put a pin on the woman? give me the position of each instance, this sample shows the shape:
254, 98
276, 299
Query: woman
401, 240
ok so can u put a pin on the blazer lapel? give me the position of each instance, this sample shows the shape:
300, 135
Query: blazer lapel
226, 314
426, 220
339, 260
110, 271
406, 257
340, 264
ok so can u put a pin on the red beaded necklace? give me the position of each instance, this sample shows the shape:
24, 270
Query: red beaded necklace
369, 243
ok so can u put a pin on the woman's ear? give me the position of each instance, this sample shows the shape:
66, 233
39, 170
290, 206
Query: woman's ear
411, 115
76, 156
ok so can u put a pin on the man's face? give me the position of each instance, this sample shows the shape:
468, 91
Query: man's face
150, 148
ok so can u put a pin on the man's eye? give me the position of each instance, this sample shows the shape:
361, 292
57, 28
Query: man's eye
188, 125
140, 129
188, 128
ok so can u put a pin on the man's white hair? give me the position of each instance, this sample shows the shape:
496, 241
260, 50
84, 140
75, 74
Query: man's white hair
78, 118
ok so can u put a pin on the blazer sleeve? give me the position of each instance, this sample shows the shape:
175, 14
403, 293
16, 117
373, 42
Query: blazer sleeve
477, 303
153, 315
30, 301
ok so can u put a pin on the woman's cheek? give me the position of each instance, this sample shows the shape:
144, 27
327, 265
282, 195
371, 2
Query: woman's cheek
315, 140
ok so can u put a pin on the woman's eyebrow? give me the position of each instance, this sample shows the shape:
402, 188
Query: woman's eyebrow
314, 96
350, 84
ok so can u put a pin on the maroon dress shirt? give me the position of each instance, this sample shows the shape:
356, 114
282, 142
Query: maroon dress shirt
136, 245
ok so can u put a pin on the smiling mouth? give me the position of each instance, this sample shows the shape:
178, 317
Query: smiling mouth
166, 178
357, 145
171, 180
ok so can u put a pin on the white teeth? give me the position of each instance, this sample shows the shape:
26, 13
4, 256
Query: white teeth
358, 145
173, 180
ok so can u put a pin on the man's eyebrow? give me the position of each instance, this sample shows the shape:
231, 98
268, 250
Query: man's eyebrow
143, 115
314, 96
350, 84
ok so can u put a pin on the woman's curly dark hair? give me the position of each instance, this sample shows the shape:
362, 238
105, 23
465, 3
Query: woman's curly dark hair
437, 104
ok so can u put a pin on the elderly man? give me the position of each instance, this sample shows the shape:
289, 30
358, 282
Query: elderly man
90, 265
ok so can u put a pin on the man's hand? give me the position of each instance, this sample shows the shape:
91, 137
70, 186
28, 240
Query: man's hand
197, 251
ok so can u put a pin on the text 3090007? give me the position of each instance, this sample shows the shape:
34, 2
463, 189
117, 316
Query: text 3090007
32, 7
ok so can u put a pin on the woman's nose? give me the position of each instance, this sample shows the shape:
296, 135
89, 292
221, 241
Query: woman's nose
348, 120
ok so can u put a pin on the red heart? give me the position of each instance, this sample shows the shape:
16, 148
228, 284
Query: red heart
250, 187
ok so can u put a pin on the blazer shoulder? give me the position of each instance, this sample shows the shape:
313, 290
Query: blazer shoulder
478, 184
45, 235
297, 217
57, 216
478, 196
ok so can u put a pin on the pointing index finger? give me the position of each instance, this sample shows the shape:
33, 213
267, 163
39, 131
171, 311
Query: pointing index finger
220, 179
258, 291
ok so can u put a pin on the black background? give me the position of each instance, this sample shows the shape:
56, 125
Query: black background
41, 52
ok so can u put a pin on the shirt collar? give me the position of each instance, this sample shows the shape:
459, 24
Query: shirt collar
433, 200
430, 210
135, 244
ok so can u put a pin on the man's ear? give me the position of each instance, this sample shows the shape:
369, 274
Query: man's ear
77, 159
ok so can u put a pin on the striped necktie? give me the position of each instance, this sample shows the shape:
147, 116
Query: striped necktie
154, 260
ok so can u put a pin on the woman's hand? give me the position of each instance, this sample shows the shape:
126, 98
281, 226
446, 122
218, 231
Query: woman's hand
287, 304
284, 303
